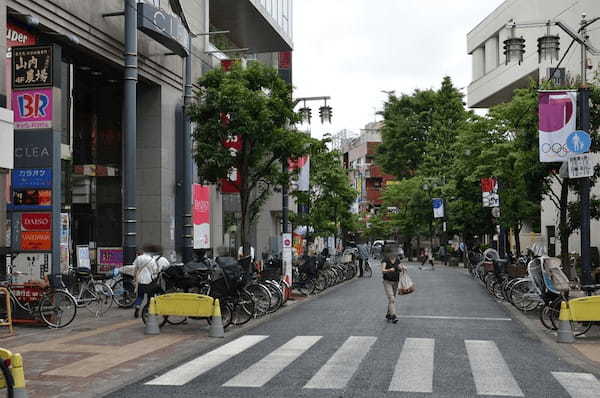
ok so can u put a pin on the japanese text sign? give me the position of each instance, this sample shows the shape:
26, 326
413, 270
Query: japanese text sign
36, 240
31, 178
32, 67
109, 258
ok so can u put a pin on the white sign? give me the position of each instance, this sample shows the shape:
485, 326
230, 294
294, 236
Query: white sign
286, 257
557, 120
287, 241
83, 257
581, 165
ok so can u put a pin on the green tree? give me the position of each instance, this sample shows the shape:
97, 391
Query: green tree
255, 106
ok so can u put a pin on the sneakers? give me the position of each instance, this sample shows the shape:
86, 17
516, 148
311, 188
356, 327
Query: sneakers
394, 319
136, 313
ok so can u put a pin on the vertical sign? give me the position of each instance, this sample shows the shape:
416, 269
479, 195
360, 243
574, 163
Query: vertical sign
287, 257
228, 185
489, 192
438, 207
201, 216
32, 66
557, 119
65, 242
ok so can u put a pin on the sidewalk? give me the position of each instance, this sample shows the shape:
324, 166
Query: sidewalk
92, 357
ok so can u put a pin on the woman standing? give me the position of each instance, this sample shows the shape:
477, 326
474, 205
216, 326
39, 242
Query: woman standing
391, 268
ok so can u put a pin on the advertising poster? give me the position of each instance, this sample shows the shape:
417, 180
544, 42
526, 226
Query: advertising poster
36, 241
557, 120
32, 109
109, 258
287, 257
489, 192
32, 199
83, 257
31, 178
30, 267
201, 216
65, 239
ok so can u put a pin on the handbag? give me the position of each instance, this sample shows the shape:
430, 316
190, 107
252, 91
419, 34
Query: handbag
405, 284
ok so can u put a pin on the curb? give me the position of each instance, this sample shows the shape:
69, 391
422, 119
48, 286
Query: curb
210, 344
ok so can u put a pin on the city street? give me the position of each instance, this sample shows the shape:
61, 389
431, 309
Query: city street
452, 340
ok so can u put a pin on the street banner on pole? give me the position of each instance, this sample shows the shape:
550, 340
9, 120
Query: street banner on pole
438, 207
557, 120
286, 256
201, 216
489, 192
302, 164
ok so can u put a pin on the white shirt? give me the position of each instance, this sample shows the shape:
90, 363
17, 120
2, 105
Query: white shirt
148, 265
241, 252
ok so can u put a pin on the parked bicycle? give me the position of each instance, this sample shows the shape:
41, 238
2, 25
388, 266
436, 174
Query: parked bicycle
94, 295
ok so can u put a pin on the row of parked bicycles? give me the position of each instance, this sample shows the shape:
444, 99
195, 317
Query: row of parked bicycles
543, 288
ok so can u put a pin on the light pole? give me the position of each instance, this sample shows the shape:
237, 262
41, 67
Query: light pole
548, 47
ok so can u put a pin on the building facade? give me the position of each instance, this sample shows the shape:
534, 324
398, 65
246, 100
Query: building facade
494, 80
89, 114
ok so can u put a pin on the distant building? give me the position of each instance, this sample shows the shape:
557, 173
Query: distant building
358, 154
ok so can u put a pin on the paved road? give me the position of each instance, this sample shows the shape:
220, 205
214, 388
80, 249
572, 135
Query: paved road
452, 340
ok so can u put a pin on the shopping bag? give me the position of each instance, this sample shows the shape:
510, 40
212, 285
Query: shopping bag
405, 284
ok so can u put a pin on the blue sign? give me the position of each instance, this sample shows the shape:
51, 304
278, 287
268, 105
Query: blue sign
579, 142
31, 178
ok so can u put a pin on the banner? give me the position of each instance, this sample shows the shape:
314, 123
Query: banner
489, 192
234, 144
438, 207
303, 165
557, 120
201, 216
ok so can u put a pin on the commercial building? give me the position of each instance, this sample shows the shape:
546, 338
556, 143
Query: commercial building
494, 80
358, 154
89, 113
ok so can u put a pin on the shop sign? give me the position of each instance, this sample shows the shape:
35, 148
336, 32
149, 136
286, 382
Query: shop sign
36, 240
33, 149
581, 165
36, 221
32, 67
234, 144
165, 28
17, 36
31, 178
201, 216
109, 258
32, 199
32, 109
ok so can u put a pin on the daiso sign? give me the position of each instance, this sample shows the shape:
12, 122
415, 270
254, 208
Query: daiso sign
36, 221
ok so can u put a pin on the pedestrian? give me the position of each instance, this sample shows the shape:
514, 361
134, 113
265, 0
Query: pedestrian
427, 257
443, 254
390, 269
147, 267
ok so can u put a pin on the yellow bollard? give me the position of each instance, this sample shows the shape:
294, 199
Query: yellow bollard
565, 332
18, 374
216, 325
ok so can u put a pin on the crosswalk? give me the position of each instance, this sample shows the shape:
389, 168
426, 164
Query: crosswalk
413, 372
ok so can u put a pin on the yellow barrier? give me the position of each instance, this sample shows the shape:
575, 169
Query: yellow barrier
17, 372
583, 309
183, 304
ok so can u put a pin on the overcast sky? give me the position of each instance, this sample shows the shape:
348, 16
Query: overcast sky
352, 49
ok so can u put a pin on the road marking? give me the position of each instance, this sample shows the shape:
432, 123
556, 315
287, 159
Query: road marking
264, 370
458, 318
490, 371
414, 369
196, 367
340, 368
579, 385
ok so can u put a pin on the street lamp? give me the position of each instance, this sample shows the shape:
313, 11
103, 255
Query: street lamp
548, 47
514, 47
325, 111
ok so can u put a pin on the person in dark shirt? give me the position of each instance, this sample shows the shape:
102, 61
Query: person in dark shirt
390, 269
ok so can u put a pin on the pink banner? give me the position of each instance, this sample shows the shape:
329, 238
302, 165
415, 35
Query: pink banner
201, 216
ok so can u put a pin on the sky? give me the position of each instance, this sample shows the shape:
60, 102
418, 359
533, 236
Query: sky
352, 49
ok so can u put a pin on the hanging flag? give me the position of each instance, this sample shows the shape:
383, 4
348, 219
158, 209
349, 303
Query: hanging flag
557, 120
301, 164
201, 216
438, 207
489, 192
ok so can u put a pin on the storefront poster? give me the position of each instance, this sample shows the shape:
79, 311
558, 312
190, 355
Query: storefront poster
557, 120
32, 109
109, 258
32, 199
83, 257
201, 216
65, 241
31, 178
32, 67
36, 221
33, 149
36, 240
29, 267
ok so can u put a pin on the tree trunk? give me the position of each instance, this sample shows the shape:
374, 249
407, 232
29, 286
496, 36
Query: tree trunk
517, 232
244, 201
563, 228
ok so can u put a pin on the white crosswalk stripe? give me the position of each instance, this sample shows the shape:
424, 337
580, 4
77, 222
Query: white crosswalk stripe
340, 368
194, 368
414, 369
579, 385
264, 370
490, 371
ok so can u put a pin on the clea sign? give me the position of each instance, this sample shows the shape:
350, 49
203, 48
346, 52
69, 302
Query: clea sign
163, 27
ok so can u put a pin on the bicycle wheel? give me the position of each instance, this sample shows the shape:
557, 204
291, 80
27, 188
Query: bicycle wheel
519, 296
124, 293
145, 316
262, 298
368, 271
57, 309
104, 297
578, 328
545, 318
307, 286
243, 308
321, 282
7, 381
276, 295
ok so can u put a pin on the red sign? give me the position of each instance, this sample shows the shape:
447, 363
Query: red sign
285, 60
17, 36
234, 144
226, 64
36, 240
36, 221
201, 216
